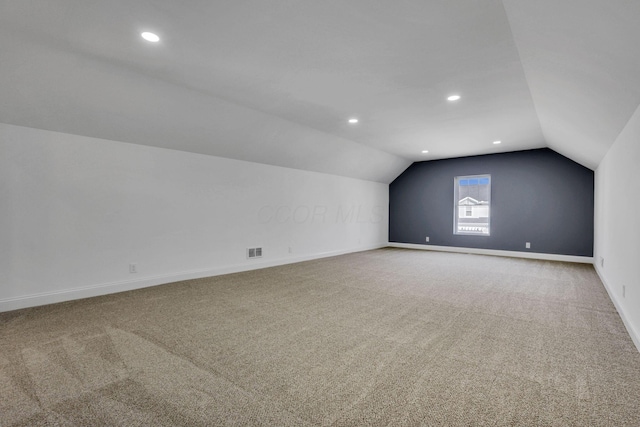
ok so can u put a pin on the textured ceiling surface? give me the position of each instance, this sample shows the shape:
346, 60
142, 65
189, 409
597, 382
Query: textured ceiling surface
275, 82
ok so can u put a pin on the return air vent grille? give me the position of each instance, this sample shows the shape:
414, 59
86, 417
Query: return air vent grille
254, 252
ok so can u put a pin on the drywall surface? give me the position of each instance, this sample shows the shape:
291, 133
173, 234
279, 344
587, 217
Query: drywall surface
537, 196
75, 212
617, 237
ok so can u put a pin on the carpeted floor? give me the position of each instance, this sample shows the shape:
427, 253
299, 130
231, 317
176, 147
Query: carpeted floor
386, 337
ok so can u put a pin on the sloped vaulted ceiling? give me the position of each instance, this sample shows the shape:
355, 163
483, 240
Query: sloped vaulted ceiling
582, 62
276, 81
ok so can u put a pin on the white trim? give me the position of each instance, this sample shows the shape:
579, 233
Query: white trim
635, 336
513, 254
44, 298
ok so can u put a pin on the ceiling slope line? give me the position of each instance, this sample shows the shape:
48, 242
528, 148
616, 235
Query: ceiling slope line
525, 73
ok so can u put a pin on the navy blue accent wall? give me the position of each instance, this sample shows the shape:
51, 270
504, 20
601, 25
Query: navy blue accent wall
537, 196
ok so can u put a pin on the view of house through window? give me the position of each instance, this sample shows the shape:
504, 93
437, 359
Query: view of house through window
472, 205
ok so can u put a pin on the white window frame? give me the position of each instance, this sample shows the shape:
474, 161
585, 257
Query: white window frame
456, 207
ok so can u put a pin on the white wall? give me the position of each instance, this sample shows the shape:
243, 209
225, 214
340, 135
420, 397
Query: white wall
617, 224
76, 211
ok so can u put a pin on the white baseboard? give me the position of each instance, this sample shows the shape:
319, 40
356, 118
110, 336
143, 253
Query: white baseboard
25, 301
633, 333
512, 254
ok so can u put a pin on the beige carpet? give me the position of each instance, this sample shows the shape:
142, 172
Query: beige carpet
386, 337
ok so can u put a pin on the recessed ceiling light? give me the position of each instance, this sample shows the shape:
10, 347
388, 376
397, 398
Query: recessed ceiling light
353, 121
497, 142
425, 151
150, 37
453, 98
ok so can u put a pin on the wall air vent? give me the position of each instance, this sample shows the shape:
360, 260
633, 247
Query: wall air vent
254, 252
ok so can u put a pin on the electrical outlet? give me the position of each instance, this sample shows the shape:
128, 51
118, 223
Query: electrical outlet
290, 250
602, 262
624, 289
527, 245
427, 239
133, 268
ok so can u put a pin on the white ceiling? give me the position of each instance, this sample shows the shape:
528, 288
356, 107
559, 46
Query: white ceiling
275, 81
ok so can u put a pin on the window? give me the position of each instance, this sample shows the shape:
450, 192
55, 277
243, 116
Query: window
472, 205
